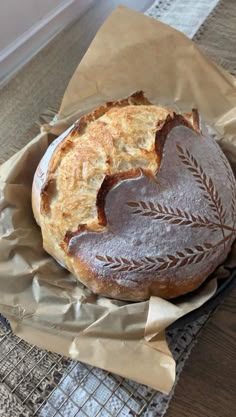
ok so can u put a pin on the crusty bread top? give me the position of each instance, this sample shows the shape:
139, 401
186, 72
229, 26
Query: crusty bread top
132, 201
106, 146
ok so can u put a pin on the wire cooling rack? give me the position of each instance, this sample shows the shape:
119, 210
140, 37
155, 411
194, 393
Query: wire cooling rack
45, 384
35, 382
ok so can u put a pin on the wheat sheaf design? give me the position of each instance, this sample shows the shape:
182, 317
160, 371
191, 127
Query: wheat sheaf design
185, 257
175, 216
171, 215
205, 184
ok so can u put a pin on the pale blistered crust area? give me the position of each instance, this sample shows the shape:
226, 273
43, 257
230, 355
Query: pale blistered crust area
115, 138
133, 202
122, 139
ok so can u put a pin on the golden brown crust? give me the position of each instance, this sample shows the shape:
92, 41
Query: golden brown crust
143, 291
108, 183
196, 121
46, 194
107, 148
170, 123
112, 180
138, 98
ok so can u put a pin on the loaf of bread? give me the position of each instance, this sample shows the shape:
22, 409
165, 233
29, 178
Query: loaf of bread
135, 201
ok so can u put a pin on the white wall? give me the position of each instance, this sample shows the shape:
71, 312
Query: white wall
27, 25
18, 16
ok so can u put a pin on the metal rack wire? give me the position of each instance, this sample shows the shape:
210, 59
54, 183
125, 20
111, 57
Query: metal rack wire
49, 385
35, 382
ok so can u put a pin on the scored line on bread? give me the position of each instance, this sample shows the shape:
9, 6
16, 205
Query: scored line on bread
138, 201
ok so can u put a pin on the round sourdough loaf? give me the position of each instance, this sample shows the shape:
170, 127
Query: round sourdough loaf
135, 201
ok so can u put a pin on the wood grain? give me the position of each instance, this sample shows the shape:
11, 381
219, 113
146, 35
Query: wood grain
206, 387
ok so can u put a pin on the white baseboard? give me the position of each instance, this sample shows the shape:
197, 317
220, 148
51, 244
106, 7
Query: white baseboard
19, 52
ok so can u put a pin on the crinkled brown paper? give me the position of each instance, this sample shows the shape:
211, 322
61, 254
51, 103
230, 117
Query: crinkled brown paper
45, 305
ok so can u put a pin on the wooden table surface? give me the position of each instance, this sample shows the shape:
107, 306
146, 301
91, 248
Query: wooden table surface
206, 387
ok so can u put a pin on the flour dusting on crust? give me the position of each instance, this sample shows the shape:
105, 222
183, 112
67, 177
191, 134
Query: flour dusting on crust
138, 202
